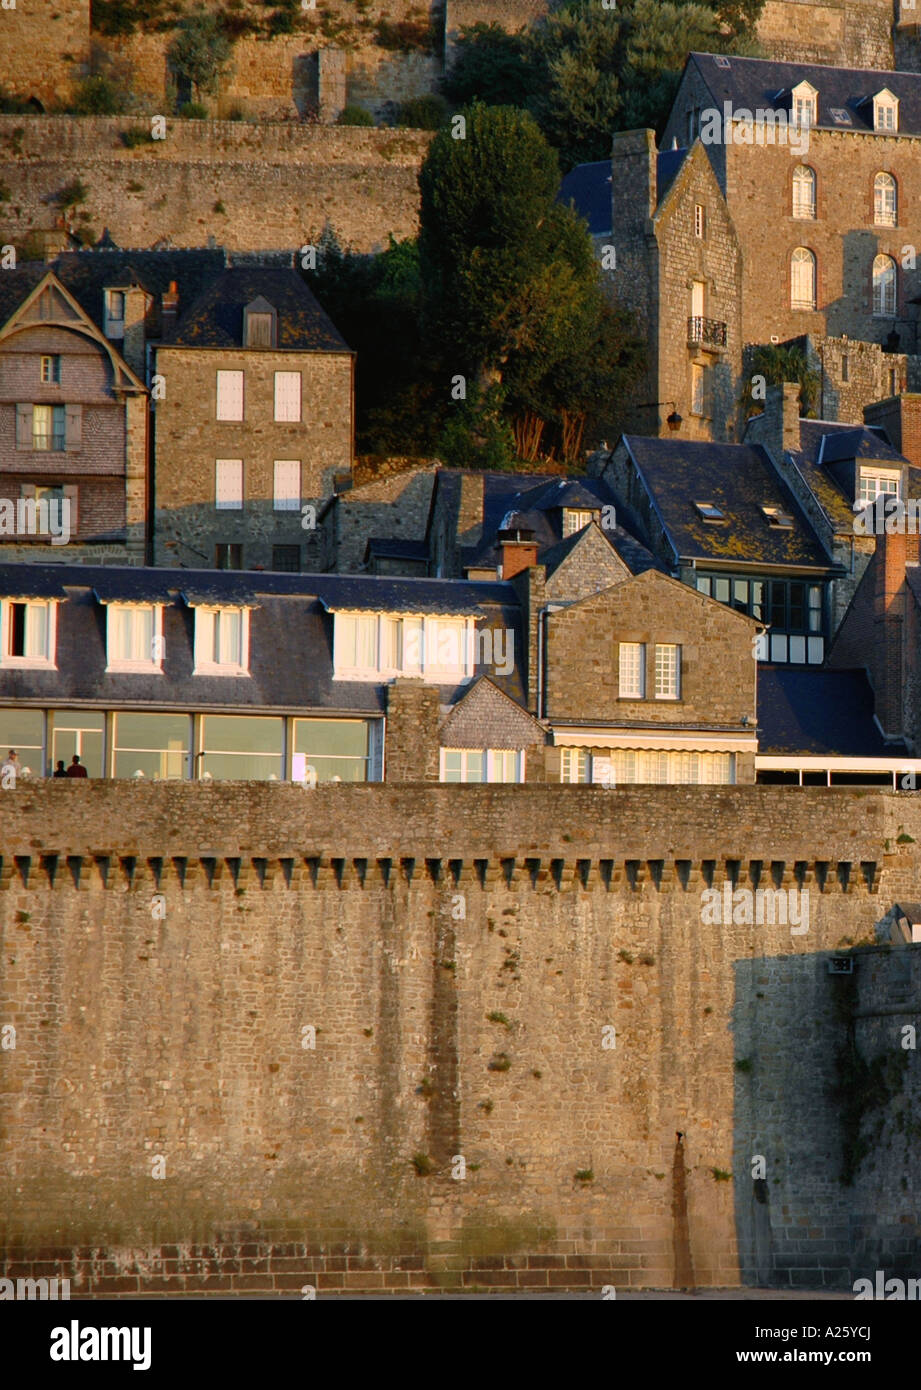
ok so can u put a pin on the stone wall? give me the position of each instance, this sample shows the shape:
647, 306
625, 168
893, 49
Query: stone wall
172, 1124
844, 33
247, 187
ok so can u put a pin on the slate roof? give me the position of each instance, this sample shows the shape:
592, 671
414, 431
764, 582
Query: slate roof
291, 636
16, 286
857, 443
812, 711
401, 548
215, 319
737, 478
823, 442
757, 82
668, 163
87, 273
587, 188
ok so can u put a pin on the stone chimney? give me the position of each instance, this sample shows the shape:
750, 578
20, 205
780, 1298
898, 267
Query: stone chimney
517, 547
169, 311
777, 427
900, 417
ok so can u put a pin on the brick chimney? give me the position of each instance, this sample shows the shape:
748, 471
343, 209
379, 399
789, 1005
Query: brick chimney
900, 417
889, 651
169, 310
517, 547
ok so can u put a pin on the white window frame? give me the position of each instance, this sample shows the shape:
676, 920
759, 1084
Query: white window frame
803, 105
575, 761
799, 301
285, 500
631, 667
236, 504
50, 371
870, 480
804, 193
575, 519
700, 221
135, 664
288, 395
886, 112
885, 291
430, 629
205, 665
885, 199
670, 688
491, 760
29, 663
229, 395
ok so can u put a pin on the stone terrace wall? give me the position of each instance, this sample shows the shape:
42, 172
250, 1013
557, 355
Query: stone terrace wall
279, 184
459, 952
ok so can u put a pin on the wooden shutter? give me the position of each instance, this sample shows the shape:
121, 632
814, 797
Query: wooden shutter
73, 428
230, 395
288, 396
228, 484
23, 427
287, 485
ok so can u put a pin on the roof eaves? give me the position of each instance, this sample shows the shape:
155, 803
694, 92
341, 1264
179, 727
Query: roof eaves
653, 503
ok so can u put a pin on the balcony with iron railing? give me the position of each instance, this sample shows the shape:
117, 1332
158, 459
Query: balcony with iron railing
707, 332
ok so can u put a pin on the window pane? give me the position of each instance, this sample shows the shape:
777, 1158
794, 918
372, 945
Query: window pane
740, 595
475, 770
797, 606
666, 672
632, 670
778, 603
155, 744
721, 590
78, 731
703, 584
21, 729
334, 747
452, 765
240, 746
391, 655
757, 592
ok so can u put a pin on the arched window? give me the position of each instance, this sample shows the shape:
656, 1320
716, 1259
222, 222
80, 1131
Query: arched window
802, 279
803, 191
885, 201
884, 286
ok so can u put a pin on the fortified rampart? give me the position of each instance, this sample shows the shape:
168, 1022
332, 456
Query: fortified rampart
395, 1037
249, 187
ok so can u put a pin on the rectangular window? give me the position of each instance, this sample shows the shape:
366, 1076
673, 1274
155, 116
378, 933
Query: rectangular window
873, 485
845, 368
286, 558
221, 641
228, 556
632, 661
80, 732
355, 643
259, 330
154, 745
668, 685
228, 485
463, 765
134, 637
503, 765
51, 370
698, 389
574, 520
288, 396
29, 633
115, 314
287, 485
230, 395
49, 427
24, 731
391, 645
241, 747
445, 647
574, 765
700, 221
336, 750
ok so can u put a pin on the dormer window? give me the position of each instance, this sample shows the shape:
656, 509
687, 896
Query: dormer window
886, 112
134, 637
878, 482
27, 632
221, 641
804, 104
777, 518
379, 646
709, 511
259, 324
574, 519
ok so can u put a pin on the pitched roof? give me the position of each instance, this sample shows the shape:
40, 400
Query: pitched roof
87, 273
587, 188
485, 717
740, 480
758, 83
823, 442
215, 319
291, 658
814, 711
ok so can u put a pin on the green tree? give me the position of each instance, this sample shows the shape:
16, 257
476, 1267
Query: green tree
510, 287
200, 52
777, 363
489, 66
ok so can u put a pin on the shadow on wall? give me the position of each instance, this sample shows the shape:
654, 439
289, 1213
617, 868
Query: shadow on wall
827, 1113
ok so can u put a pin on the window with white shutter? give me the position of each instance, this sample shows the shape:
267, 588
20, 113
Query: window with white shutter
288, 396
230, 395
287, 485
228, 485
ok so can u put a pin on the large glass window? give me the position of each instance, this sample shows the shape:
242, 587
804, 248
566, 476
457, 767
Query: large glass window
49, 427
803, 191
221, 641
671, 766
884, 287
23, 731
134, 640
481, 765
368, 645
156, 745
792, 608
802, 279
885, 201
28, 633
81, 732
239, 746
334, 748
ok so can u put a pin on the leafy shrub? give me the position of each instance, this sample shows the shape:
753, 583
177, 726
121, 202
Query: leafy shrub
423, 113
98, 96
354, 115
193, 111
